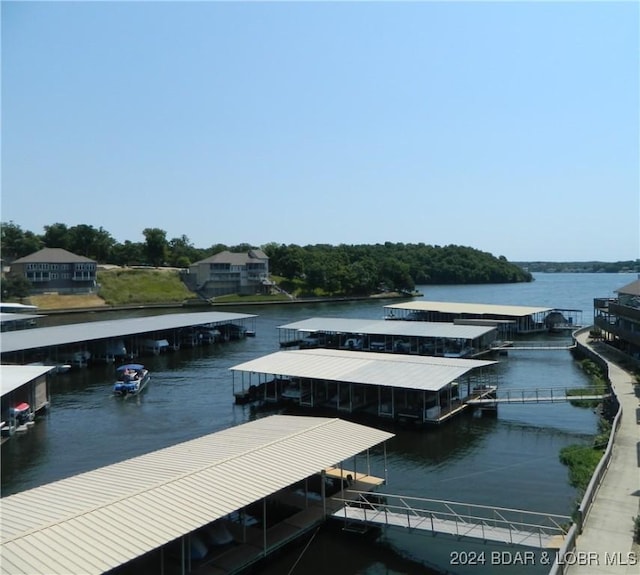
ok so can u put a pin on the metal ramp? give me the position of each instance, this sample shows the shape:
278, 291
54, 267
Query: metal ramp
533, 345
497, 524
538, 395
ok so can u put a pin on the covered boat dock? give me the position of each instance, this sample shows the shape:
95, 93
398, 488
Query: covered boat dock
420, 338
415, 389
10, 321
510, 319
25, 392
216, 504
75, 343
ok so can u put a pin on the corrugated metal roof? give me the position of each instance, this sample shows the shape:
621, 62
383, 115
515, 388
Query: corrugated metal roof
14, 376
73, 333
393, 328
471, 308
383, 369
9, 317
16, 307
98, 520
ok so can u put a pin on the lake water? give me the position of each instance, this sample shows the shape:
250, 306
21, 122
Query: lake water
511, 461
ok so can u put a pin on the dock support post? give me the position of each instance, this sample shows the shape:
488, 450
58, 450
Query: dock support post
323, 475
384, 447
264, 524
189, 554
182, 562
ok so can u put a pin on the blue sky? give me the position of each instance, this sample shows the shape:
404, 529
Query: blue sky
510, 127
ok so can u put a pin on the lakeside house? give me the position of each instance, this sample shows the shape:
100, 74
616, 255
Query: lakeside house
244, 273
57, 270
618, 319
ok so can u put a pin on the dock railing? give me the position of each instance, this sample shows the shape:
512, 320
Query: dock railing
538, 395
539, 344
514, 526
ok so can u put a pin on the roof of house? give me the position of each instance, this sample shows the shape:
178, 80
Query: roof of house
630, 289
96, 521
53, 256
235, 258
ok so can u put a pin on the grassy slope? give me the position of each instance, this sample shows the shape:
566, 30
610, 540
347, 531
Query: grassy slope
125, 286
121, 287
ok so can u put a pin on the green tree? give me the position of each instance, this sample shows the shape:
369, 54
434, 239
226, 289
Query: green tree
156, 246
15, 287
128, 253
182, 253
57, 236
16, 243
90, 242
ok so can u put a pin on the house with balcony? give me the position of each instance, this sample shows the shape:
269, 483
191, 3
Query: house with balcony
244, 273
57, 270
618, 319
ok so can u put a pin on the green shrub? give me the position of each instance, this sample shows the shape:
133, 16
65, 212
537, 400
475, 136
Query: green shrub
582, 461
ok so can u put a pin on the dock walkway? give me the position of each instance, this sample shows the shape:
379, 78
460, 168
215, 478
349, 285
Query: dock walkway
608, 528
486, 523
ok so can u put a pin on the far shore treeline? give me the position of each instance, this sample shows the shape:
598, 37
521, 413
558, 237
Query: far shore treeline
348, 269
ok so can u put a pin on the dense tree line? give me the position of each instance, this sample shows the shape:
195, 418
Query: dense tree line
628, 266
99, 245
367, 268
345, 269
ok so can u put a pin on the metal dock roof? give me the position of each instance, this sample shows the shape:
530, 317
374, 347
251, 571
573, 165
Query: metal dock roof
14, 376
383, 369
392, 328
10, 317
471, 308
73, 333
101, 519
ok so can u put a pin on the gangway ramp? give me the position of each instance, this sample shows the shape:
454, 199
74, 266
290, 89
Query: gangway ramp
540, 345
489, 524
538, 395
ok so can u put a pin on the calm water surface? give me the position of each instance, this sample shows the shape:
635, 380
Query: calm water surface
511, 461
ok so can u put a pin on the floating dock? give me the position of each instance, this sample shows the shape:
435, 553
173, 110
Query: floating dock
199, 506
510, 319
409, 337
411, 389
61, 342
